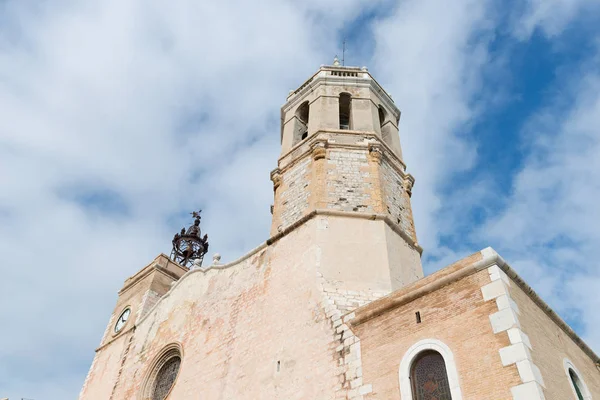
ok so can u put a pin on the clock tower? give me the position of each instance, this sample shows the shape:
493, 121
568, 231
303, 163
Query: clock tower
139, 294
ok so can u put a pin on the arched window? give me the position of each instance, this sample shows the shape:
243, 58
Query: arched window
429, 377
427, 371
577, 384
386, 134
302, 114
162, 374
382, 116
345, 107
165, 378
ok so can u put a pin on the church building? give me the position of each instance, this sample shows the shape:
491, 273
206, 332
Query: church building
334, 304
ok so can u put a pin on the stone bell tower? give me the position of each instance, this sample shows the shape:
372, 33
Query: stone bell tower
341, 163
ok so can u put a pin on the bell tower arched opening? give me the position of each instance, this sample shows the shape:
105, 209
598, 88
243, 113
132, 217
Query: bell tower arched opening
301, 123
345, 109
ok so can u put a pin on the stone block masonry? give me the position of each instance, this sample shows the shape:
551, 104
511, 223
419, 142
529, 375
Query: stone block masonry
334, 304
454, 314
348, 173
348, 181
253, 329
295, 191
396, 198
337, 305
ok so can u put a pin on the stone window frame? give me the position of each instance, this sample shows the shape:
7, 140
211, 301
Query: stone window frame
413, 352
568, 365
168, 352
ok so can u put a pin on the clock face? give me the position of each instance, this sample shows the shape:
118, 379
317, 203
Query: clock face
122, 319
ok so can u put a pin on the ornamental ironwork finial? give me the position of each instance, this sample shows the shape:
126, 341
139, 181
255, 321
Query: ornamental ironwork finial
189, 247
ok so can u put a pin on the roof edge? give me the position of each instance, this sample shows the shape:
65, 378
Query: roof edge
543, 305
489, 257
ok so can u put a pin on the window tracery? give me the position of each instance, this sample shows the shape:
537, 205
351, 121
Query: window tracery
166, 378
429, 377
162, 375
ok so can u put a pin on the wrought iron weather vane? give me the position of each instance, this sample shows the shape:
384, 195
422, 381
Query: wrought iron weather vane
189, 246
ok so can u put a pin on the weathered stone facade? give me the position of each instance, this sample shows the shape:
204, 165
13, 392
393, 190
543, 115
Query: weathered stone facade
397, 197
295, 191
348, 181
334, 304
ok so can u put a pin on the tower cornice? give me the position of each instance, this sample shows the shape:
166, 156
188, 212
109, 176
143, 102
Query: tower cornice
300, 150
330, 75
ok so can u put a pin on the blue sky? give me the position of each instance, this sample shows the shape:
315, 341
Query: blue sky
117, 119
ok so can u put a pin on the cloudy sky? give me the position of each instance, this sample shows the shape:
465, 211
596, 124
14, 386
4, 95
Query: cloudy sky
117, 118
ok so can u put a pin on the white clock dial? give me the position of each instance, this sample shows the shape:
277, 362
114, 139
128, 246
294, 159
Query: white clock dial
122, 319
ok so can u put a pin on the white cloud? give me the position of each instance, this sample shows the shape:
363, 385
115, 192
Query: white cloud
550, 16
429, 56
151, 109
549, 228
147, 108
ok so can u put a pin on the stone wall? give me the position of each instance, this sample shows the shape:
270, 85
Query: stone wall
342, 171
103, 373
396, 200
550, 346
257, 329
140, 293
349, 300
294, 193
348, 181
456, 315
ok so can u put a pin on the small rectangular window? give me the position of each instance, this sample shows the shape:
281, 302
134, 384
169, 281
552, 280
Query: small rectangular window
418, 315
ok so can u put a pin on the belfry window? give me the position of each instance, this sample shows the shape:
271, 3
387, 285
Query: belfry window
385, 127
345, 107
302, 114
429, 377
382, 116
576, 384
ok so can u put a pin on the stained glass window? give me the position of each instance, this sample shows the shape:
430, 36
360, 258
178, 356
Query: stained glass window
165, 378
576, 384
429, 377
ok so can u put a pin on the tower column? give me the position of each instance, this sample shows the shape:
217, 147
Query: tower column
375, 156
318, 192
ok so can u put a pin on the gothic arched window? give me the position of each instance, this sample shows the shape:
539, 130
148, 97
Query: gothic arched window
345, 107
576, 384
429, 377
